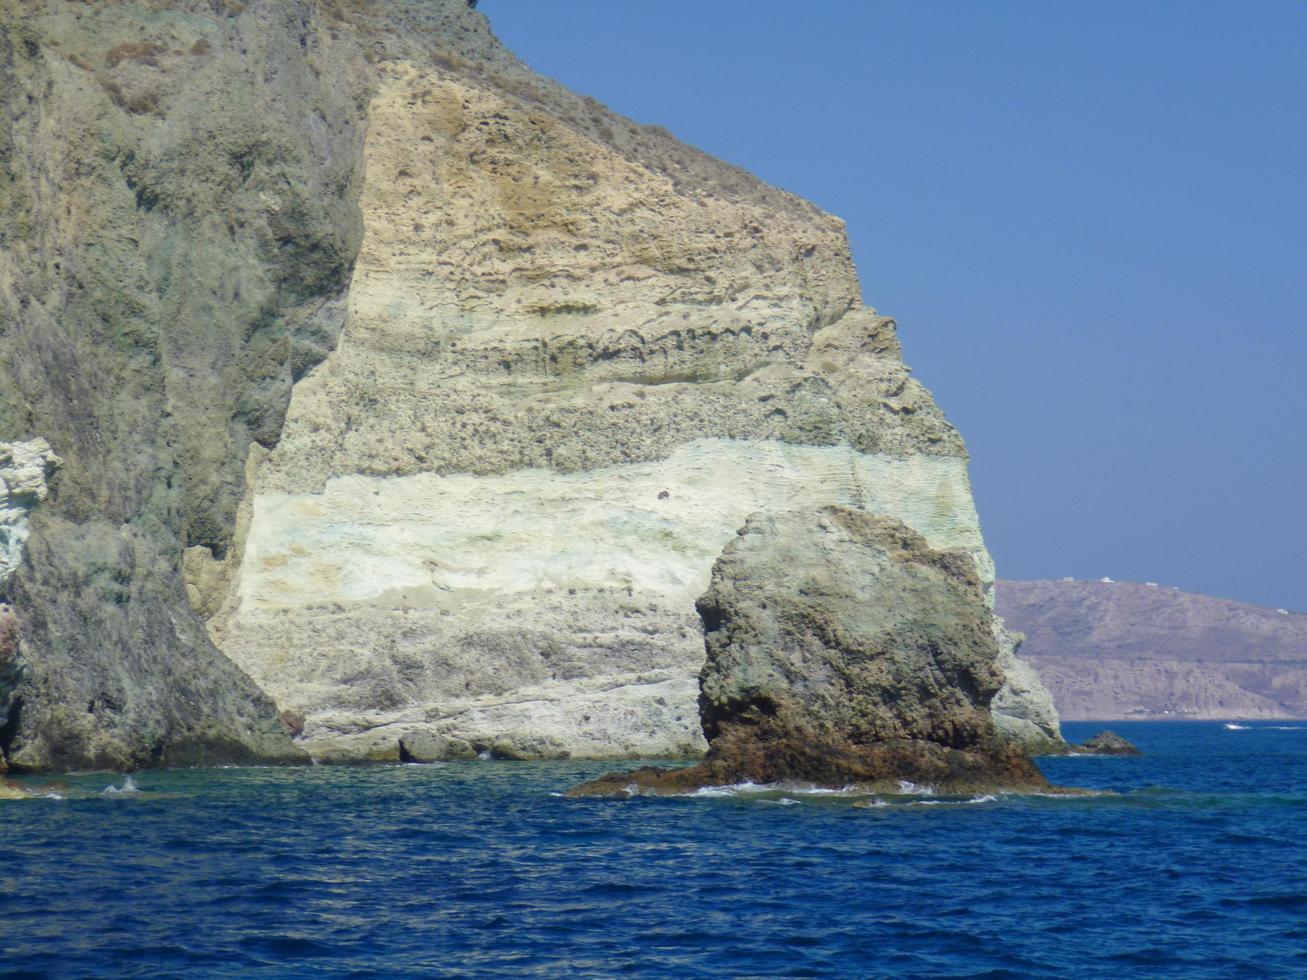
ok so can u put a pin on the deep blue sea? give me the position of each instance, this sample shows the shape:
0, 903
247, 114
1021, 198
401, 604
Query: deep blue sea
1195, 867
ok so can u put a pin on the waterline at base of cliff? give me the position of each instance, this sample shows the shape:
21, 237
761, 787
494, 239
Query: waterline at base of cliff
485, 868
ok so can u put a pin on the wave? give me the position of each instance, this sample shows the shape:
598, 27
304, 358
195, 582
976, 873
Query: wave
747, 788
908, 788
907, 794
128, 786
987, 798
1232, 727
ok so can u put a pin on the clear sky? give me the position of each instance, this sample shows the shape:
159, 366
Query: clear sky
1089, 219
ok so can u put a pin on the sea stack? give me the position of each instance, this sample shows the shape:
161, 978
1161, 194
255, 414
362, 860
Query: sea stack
405, 398
843, 650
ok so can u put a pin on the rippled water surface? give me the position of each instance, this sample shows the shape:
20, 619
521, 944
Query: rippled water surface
1197, 868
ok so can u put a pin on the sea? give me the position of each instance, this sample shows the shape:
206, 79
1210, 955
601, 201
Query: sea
1190, 861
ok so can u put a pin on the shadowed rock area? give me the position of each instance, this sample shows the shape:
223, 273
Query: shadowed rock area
843, 650
177, 220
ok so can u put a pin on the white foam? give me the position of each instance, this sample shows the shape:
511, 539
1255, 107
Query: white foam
909, 788
747, 788
1078, 795
128, 786
1232, 727
987, 798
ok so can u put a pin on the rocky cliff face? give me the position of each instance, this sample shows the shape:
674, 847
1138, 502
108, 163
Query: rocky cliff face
433, 389
178, 220
1133, 650
843, 650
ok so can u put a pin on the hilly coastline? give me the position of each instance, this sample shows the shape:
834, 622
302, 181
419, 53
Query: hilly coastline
1136, 650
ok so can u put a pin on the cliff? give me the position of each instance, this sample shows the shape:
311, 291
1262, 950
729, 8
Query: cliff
401, 393
1134, 650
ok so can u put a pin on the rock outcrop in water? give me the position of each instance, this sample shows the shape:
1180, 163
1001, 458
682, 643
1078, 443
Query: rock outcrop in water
1106, 743
403, 396
1135, 650
842, 650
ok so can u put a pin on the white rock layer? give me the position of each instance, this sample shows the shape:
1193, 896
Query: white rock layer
25, 468
535, 607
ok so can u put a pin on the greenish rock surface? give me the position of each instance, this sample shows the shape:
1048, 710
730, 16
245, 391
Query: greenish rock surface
177, 223
427, 747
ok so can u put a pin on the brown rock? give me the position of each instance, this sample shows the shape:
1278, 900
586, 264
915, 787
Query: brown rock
293, 721
1107, 743
843, 650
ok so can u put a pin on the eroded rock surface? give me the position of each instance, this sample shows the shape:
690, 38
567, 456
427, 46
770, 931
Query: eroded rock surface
25, 471
177, 222
842, 649
571, 367
430, 388
1024, 708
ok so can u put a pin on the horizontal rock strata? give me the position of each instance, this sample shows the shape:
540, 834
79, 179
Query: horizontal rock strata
404, 398
565, 379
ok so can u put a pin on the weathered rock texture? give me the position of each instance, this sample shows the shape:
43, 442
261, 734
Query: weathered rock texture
1023, 708
842, 649
577, 355
1106, 743
177, 222
432, 388
1133, 650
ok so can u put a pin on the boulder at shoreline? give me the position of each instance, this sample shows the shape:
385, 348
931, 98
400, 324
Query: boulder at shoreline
843, 650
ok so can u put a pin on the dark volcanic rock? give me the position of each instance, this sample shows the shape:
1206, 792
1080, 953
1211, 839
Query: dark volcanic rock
843, 650
1106, 743
140, 687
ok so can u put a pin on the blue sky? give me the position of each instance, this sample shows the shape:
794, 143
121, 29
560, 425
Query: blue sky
1090, 221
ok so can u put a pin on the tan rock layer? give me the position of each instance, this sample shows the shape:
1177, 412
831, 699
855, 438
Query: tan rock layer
526, 296
1140, 650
